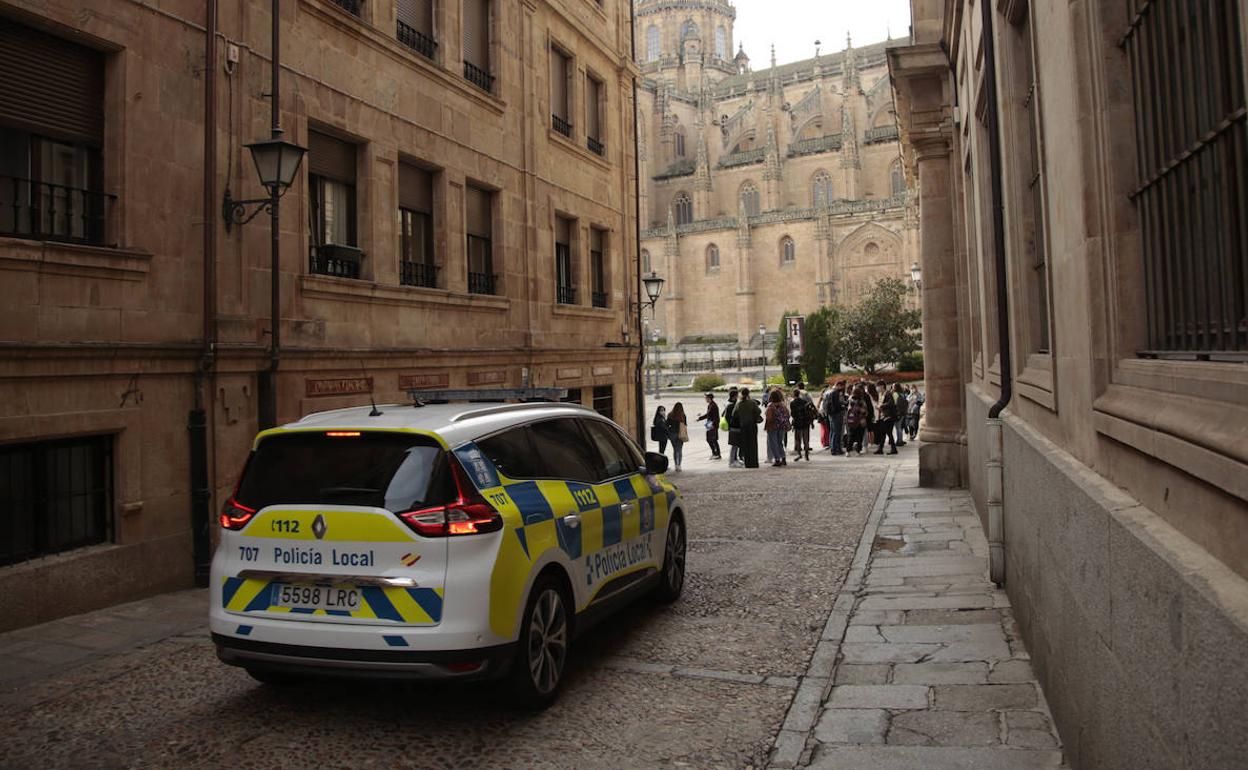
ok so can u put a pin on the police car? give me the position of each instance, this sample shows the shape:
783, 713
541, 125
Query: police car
458, 541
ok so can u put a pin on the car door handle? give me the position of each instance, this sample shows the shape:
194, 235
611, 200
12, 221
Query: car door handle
626, 507
572, 520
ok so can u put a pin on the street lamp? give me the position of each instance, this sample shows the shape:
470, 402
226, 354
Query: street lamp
277, 161
916, 275
762, 337
654, 287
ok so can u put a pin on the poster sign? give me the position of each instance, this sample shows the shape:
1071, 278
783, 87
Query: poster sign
796, 325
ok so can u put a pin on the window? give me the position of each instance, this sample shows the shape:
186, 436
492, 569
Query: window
604, 401
749, 199
476, 43
511, 453
50, 188
560, 75
416, 262
645, 261
54, 496
331, 200
721, 42
565, 286
788, 251
712, 258
898, 178
598, 267
350, 6
573, 397
652, 43
616, 459
1192, 195
683, 207
564, 450
594, 108
414, 20
480, 226
680, 142
821, 189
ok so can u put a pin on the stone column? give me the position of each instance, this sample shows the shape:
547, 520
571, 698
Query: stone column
942, 454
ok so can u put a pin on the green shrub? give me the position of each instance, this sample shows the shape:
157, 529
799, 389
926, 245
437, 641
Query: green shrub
777, 379
911, 362
705, 382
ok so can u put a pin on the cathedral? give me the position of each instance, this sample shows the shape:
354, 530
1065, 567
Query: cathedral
763, 190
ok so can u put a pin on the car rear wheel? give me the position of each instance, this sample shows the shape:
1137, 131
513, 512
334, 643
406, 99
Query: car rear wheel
672, 578
543, 649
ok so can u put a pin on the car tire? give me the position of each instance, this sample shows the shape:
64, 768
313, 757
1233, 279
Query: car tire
542, 650
275, 678
672, 576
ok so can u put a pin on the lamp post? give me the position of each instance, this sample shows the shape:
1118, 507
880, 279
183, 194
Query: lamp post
277, 161
654, 287
654, 337
762, 341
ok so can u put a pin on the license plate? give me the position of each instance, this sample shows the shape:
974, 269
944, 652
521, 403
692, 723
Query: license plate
313, 597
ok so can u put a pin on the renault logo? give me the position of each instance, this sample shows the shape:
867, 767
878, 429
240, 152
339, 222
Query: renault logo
318, 527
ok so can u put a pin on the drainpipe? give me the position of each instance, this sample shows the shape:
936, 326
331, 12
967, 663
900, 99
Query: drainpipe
996, 454
639, 387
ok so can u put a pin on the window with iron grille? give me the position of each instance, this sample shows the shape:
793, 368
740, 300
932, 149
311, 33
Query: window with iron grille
54, 496
1192, 162
414, 26
604, 401
480, 206
598, 266
331, 204
593, 115
476, 44
417, 265
560, 86
565, 286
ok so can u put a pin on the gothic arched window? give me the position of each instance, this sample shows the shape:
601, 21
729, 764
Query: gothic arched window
788, 251
898, 178
821, 189
749, 199
712, 257
721, 42
683, 208
645, 261
652, 43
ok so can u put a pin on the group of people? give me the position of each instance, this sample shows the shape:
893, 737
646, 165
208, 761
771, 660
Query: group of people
850, 419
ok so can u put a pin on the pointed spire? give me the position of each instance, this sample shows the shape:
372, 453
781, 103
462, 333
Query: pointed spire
850, 68
773, 56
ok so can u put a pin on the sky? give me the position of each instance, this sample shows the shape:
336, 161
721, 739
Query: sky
795, 25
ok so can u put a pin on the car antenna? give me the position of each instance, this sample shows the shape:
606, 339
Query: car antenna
375, 412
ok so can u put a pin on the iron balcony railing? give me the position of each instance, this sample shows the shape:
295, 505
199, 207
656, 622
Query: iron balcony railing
599, 299
743, 158
826, 143
566, 295
418, 274
416, 40
30, 208
561, 125
478, 77
880, 134
350, 6
594, 145
480, 283
335, 260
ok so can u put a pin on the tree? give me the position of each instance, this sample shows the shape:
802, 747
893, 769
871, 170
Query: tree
879, 329
820, 353
782, 346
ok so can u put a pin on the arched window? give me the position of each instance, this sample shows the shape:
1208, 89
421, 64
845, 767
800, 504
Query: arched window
652, 43
712, 258
683, 208
688, 30
721, 42
898, 178
821, 189
645, 261
680, 143
749, 199
788, 251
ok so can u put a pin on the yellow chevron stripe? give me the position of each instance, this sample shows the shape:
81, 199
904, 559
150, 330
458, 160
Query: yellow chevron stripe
407, 607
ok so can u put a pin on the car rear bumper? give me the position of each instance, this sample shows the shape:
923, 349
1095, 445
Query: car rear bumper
386, 664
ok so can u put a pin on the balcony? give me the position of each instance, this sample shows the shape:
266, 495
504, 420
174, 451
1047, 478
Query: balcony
416, 40
481, 283
599, 299
350, 6
565, 295
52, 212
335, 260
561, 125
880, 134
743, 158
827, 143
418, 274
479, 77
594, 145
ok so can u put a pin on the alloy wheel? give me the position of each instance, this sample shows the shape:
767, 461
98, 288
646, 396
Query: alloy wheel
674, 572
548, 641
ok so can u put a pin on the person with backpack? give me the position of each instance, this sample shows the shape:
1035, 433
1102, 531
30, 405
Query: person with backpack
776, 422
802, 413
710, 420
734, 432
857, 420
913, 412
886, 417
677, 432
658, 429
834, 406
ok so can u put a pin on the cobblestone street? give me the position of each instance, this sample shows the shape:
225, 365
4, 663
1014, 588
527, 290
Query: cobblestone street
706, 683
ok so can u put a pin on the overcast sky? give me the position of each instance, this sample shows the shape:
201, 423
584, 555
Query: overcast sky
795, 25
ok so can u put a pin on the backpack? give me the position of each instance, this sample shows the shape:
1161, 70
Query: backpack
786, 421
857, 416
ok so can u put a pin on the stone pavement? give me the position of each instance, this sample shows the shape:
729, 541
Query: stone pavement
920, 665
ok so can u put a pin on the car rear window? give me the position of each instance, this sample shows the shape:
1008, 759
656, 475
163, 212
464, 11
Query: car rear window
395, 471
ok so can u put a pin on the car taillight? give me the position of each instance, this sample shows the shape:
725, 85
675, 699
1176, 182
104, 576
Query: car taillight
235, 515
468, 514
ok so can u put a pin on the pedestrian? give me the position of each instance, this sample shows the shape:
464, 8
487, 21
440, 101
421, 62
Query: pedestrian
825, 423
777, 423
677, 432
857, 420
734, 432
658, 429
710, 419
913, 412
836, 417
884, 420
802, 413
903, 408
748, 415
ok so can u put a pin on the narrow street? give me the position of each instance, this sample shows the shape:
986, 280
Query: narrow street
706, 683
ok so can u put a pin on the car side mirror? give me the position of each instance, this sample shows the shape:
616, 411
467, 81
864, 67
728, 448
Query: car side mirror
656, 463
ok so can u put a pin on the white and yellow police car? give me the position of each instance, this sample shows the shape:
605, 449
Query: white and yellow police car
462, 541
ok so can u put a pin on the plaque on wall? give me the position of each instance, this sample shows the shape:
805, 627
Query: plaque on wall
567, 374
417, 381
487, 378
602, 371
343, 386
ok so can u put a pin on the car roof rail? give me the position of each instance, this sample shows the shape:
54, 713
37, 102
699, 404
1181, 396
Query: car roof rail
486, 411
423, 396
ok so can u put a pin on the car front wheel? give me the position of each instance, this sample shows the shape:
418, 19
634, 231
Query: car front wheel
672, 579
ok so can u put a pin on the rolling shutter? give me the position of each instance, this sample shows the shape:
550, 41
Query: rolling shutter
50, 86
417, 14
477, 214
558, 83
330, 157
477, 33
592, 108
563, 231
415, 188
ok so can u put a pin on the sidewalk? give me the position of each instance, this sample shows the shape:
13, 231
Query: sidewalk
920, 666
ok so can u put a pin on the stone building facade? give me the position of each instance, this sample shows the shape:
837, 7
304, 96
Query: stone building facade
763, 191
424, 243
1085, 348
